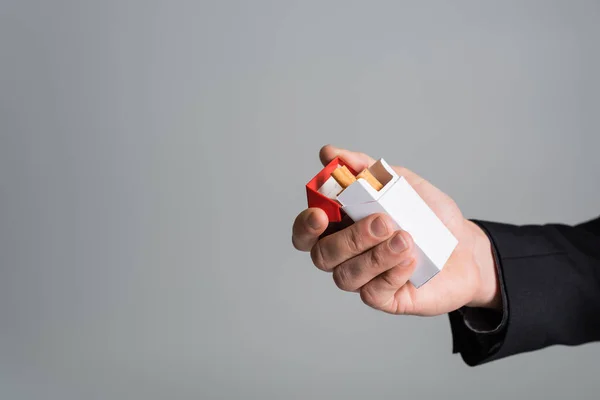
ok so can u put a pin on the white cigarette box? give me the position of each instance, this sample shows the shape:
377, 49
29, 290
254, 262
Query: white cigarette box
434, 242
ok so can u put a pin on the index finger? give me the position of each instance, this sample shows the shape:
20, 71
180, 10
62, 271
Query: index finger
358, 161
338, 247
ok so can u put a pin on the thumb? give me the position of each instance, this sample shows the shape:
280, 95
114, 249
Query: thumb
358, 161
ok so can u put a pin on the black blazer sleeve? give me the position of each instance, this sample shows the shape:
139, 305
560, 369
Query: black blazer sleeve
550, 282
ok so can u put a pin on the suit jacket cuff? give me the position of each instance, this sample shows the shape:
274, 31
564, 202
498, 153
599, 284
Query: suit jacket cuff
478, 333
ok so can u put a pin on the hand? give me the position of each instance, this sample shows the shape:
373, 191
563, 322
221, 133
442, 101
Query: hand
370, 258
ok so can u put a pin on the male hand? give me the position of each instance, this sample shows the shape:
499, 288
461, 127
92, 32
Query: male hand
370, 258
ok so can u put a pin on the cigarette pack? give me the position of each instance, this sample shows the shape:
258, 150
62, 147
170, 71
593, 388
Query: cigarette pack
434, 242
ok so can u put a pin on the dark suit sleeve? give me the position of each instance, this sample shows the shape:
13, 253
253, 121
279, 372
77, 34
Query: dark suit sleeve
550, 283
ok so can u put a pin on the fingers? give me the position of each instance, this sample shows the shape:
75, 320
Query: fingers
340, 246
358, 161
390, 291
358, 271
308, 226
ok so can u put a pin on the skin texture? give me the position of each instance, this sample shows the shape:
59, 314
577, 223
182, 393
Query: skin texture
373, 260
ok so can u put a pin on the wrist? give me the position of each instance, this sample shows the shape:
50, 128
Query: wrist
487, 294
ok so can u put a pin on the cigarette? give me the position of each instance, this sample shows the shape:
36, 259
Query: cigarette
368, 176
343, 176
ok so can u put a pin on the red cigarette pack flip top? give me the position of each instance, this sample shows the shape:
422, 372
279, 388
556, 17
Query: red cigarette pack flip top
332, 208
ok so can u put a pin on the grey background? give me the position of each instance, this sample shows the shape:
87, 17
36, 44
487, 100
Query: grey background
154, 154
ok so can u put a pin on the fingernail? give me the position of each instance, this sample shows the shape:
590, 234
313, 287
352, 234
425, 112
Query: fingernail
378, 227
398, 243
313, 221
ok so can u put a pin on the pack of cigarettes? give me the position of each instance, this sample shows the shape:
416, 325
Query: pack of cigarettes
337, 189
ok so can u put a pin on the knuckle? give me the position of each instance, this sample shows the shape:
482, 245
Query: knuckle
376, 257
369, 296
353, 240
341, 279
390, 278
316, 255
397, 276
404, 305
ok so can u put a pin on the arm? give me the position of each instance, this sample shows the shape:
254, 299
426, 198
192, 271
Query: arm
507, 289
550, 284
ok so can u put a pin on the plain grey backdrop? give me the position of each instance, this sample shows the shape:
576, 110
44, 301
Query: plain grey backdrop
153, 156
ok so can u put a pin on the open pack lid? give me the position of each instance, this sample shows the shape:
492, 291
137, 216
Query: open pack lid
315, 199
